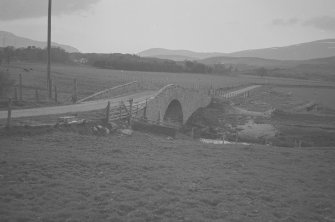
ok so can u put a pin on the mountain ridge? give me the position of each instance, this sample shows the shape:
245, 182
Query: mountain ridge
302, 51
178, 54
10, 39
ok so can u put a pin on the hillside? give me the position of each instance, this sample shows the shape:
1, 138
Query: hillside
303, 51
323, 66
177, 55
321, 61
9, 39
247, 62
270, 63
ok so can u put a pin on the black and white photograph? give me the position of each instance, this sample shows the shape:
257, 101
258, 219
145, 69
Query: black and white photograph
167, 110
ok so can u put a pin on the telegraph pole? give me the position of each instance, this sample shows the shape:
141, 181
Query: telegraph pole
49, 53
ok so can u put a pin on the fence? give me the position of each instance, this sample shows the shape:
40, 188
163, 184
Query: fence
24, 91
131, 111
107, 93
123, 111
227, 95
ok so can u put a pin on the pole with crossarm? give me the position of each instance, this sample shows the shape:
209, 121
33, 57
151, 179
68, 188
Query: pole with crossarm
49, 53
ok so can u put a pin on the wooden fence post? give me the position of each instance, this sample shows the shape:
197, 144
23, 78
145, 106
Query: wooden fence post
120, 110
145, 109
56, 95
9, 116
15, 93
131, 100
20, 87
50, 82
108, 112
74, 96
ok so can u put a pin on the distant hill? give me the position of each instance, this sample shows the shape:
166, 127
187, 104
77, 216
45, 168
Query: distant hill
270, 63
314, 69
317, 66
9, 39
320, 61
247, 62
177, 55
303, 51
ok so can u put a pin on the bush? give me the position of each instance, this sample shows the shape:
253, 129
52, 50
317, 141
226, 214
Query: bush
5, 83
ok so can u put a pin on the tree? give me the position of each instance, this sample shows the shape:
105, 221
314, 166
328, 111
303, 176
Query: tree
262, 71
8, 53
5, 83
230, 69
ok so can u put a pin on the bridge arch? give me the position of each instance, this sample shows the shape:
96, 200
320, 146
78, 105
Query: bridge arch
175, 103
174, 113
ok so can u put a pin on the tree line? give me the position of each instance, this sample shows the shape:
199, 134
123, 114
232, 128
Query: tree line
131, 62
33, 54
115, 61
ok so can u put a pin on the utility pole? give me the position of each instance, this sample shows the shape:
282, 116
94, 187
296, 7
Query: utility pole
49, 53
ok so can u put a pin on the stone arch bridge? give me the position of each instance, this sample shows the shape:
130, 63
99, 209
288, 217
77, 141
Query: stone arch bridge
174, 104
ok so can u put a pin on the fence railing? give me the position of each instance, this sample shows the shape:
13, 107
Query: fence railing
245, 92
125, 110
227, 95
108, 92
130, 111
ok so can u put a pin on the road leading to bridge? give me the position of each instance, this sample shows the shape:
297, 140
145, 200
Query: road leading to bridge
94, 105
81, 107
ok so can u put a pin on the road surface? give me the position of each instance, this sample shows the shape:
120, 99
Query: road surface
81, 107
96, 105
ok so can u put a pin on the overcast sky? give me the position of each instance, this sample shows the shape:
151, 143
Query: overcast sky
130, 26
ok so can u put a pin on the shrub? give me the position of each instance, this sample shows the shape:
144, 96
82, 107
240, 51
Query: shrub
5, 83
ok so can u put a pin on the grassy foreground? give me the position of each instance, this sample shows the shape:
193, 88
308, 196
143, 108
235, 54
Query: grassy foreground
71, 177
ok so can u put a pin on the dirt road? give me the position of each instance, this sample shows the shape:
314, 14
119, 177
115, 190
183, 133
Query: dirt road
87, 106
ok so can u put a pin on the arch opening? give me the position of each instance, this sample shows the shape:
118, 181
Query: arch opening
174, 113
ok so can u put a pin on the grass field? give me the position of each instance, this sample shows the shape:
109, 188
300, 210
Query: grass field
64, 176
69, 175
324, 97
91, 80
